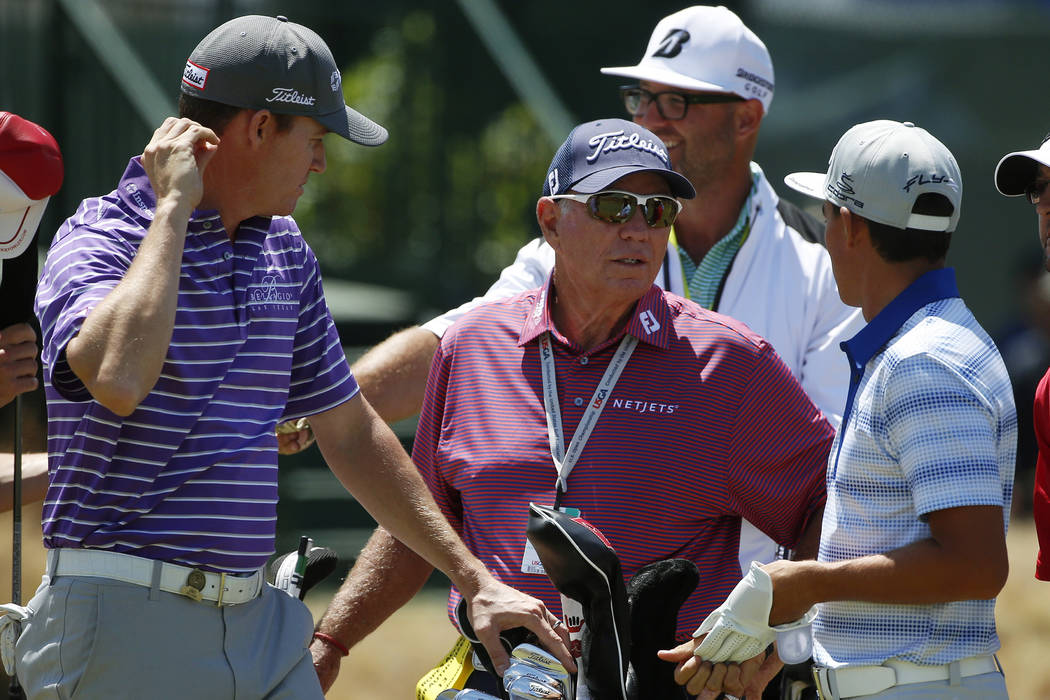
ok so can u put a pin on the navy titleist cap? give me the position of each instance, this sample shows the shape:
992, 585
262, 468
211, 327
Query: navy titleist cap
257, 62
598, 153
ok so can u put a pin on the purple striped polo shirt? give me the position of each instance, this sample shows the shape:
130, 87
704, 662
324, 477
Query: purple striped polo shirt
705, 426
191, 475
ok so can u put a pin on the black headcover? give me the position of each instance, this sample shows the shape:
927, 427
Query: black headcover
582, 566
656, 593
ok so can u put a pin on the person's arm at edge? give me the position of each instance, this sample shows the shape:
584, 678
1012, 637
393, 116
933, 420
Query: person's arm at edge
393, 374
34, 479
385, 577
386, 483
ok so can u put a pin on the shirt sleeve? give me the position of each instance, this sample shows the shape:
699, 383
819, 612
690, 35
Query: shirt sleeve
779, 454
83, 266
321, 378
528, 271
943, 436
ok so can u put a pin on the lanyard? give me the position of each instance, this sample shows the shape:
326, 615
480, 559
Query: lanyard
565, 460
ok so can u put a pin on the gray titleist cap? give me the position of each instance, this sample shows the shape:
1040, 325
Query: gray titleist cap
878, 169
258, 62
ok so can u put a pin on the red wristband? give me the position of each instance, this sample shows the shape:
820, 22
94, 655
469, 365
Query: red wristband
329, 639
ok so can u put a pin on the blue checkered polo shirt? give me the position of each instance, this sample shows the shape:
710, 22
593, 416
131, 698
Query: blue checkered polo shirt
929, 424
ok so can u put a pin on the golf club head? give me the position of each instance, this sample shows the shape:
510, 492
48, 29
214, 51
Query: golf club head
449, 694
320, 563
523, 669
546, 662
527, 689
470, 694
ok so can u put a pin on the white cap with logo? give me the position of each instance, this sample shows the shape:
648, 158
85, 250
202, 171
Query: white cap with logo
878, 169
706, 48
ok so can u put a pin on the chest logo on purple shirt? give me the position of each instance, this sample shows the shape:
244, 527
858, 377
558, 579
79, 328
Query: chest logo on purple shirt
270, 294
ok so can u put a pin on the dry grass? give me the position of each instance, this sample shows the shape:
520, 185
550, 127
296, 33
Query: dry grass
387, 664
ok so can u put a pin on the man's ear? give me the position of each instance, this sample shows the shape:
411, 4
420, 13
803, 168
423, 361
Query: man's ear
748, 117
548, 215
855, 227
261, 125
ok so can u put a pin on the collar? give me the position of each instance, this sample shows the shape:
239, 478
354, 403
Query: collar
650, 322
930, 287
137, 194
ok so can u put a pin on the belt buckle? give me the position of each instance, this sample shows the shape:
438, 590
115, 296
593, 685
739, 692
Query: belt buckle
195, 583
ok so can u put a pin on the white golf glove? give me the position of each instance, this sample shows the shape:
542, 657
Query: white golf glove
739, 628
10, 617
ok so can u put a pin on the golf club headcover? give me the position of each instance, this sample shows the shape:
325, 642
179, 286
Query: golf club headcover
320, 563
583, 566
509, 638
739, 628
656, 593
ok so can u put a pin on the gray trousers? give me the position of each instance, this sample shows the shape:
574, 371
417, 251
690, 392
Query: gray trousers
97, 638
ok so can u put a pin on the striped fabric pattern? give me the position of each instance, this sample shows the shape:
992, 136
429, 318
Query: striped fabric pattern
191, 475
704, 278
930, 425
705, 425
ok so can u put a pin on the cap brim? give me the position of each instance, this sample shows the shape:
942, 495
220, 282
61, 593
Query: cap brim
664, 76
1016, 170
354, 126
811, 184
595, 182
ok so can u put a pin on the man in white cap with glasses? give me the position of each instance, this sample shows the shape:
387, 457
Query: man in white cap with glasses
920, 477
706, 83
182, 318
1028, 173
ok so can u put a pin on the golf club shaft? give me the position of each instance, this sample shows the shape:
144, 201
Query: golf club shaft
14, 689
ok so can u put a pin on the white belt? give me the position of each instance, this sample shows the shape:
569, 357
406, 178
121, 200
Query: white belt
224, 589
857, 681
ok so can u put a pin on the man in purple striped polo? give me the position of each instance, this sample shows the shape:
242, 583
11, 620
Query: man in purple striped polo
663, 423
183, 318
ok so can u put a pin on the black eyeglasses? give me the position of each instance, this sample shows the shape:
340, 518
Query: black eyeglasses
617, 207
1033, 192
671, 105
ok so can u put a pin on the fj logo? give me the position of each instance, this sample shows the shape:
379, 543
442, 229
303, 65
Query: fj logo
552, 181
672, 44
649, 322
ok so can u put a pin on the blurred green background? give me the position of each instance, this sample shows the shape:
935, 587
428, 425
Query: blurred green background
426, 221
